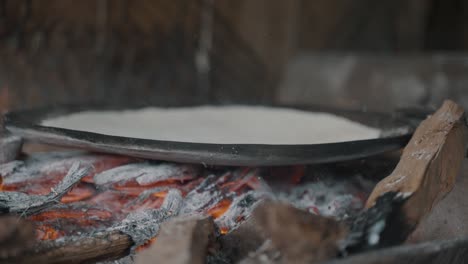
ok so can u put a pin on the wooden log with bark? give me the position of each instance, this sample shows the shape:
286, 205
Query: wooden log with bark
428, 166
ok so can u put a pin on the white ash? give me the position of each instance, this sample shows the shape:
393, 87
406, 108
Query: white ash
38, 164
145, 173
125, 260
165, 171
173, 202
325, 199
219, 124
16, 202
8, 169
374, 232
141, 226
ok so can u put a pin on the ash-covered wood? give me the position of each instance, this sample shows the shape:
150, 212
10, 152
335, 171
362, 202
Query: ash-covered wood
21, 203
143, 225
113, 243
296, 236
428, 166
100, 246
181, 240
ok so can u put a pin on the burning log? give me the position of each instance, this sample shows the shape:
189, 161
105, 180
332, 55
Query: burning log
181, 240
20, 203
100, 246
113, 243
143, 226
428, 167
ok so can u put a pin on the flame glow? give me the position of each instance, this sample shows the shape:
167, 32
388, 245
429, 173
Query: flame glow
226, 194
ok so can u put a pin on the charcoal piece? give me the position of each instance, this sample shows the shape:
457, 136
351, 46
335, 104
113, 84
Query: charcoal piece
203, 196
10, 147
375, 227
181, 241
20, 203
143, 225
241, 208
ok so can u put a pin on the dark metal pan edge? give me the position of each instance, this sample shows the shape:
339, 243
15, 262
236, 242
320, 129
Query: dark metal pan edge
24, 124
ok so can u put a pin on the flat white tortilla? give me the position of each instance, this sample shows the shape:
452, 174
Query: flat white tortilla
219, 124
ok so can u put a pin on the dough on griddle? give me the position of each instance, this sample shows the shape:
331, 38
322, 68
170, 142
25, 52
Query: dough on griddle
219, 124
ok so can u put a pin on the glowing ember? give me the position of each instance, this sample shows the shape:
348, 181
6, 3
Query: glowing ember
82, 217
223, 230
79, 193
44, 232
146, 245
117, 188
220, 208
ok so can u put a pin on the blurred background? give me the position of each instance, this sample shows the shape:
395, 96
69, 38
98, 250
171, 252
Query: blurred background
369, 54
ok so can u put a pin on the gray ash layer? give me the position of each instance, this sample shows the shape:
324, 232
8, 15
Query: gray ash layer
146, 173
21, 203
244, 188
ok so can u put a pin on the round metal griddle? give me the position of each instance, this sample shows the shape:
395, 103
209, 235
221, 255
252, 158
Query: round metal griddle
26, 124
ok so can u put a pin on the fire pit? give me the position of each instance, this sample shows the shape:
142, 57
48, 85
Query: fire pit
89, 207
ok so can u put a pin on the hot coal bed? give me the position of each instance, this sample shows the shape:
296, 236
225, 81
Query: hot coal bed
71, 197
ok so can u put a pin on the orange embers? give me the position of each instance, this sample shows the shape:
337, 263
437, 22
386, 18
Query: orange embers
220, 208
38, 186
80, 216
240, 180
45, 232
48, 222
78, 193
223, 230
106, 162
152, 201
94, 204
146, 245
